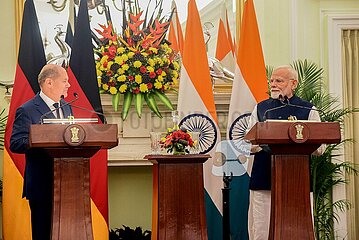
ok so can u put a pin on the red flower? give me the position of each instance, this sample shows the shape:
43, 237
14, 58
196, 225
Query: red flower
112, 51
143, 69
159, 71
109, 73
149, 85
131, 78
152, 74
136, 90
105, 64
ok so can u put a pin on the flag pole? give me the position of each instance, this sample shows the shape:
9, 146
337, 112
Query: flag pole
226, 215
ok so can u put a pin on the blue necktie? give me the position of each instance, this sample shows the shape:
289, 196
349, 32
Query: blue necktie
56, 106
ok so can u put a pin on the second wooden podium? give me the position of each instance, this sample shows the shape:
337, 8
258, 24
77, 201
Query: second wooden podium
291, 144
72, 146
178, 197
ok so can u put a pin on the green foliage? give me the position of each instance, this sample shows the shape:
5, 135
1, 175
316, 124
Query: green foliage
325, 172
127, 233
3, 119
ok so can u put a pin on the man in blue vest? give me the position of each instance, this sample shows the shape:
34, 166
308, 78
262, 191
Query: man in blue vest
38, 178
283, 82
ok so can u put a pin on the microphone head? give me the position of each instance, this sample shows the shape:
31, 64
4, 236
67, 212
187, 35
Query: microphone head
62, 96
76, 95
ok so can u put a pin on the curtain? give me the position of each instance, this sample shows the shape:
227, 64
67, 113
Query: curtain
350, 56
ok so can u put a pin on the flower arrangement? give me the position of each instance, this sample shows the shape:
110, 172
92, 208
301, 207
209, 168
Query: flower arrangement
137, 63
177, 140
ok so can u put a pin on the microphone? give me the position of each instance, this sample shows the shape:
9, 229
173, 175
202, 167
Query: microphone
281, 99
41, 121
302, 107
89, 110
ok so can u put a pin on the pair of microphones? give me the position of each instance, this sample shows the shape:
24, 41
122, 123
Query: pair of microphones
73, 106
284, 100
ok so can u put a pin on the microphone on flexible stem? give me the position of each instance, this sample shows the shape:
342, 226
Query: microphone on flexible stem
41, 121
281, 99
89, 110
303, 107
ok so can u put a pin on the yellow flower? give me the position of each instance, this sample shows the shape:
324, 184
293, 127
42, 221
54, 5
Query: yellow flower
154, 50
125, 67
124, 57
109, 65
175, 82
151, 62
120, 50
138, 79
130, 54
105, 86
113, 90
121, 78
104, 59
98, 72
144, 54
137, 64
158, 85
120, 71
159, 61
175, 74
160, 78
123, 88
99, 82
143, 87
150, 69
176, 65
163, 74
102, 49
119, 60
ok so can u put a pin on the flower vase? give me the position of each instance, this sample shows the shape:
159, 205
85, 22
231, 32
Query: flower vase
178, 152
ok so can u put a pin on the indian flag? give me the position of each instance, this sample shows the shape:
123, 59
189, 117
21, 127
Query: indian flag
249, 88
175, 35
224, 50
198, 113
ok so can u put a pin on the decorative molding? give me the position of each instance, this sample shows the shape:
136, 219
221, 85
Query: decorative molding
336, 24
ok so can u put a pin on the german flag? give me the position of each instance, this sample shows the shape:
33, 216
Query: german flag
31, 58
83, 80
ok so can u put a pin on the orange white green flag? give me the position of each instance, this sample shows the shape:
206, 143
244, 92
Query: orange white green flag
224, 50
197, 112
175, 35
249, 88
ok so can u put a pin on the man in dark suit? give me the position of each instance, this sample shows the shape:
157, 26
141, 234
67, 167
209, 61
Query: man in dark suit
38, 180
283, 82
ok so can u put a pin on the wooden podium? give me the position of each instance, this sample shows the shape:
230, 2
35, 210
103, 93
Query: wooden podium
178, 197
292, 143
72, 146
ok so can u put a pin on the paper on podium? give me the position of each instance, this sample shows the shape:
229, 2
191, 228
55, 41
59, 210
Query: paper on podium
69, 120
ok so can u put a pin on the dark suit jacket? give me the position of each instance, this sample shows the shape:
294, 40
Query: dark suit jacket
39, 165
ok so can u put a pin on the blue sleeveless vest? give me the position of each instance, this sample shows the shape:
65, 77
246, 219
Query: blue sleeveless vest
261, 171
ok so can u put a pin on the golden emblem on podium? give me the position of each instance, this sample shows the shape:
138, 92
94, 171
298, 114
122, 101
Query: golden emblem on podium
299, 129
74, 135
298, 132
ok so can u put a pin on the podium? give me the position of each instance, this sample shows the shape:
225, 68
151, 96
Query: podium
71, 146
292, 143
178, 197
